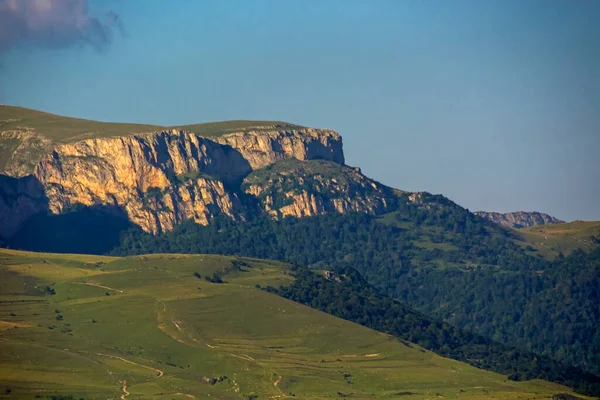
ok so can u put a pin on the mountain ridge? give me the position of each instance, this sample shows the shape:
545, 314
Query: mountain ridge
159, 179
519, 219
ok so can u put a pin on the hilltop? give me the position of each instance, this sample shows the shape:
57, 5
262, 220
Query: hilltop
62, 129
160, 327
26, 135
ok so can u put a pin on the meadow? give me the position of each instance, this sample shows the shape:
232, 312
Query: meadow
154, 327
552, 239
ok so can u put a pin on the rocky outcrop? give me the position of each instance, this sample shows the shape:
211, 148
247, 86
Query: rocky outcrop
519, 219
161, 179
301, 189
268, 147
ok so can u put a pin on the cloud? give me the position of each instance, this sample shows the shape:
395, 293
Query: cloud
55, 24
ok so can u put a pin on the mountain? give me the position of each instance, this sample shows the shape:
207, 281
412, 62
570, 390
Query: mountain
160, 326
519, 219
160, 179
281, 191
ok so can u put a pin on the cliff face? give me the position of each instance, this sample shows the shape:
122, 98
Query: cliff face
265, 148
519, 219
161, 179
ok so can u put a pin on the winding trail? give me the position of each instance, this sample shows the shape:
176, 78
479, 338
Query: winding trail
158, 371
100, 286
247, 358
281, 395
125, 392
191, 396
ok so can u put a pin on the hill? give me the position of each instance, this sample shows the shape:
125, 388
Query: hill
153, 326
436, 257
552, 240
519, 219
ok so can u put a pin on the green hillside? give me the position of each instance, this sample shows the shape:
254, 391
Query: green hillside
154, 327
552, 239
63, 129
436, 257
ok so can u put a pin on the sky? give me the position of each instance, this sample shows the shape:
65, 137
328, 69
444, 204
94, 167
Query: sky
495, 104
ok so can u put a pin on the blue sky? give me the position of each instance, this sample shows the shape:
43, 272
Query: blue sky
495, 104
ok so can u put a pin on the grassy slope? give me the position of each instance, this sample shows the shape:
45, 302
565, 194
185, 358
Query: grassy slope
158, 330
547, 240
63, 129
552, 239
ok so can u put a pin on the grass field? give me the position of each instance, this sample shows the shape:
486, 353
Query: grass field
552, 239
64, 129
146, 327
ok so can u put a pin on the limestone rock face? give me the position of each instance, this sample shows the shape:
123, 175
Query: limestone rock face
265, 148
302, 189
519, 219
161, 179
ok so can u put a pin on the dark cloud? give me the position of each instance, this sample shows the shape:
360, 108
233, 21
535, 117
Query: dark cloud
55, 24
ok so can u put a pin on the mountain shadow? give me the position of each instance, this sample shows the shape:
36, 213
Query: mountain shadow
91, 230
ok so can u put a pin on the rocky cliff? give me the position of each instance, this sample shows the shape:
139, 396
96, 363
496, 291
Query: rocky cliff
160, 179
519, 219
164, 178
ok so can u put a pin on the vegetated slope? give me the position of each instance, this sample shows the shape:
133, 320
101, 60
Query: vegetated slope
159, 327
305, 188
62, 129
552, 240
344, 293
436, 257
519, 219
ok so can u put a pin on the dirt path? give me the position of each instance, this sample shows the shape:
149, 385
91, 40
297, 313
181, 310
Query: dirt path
7, 325
247, 358
100, 286
191, 396
125, 392
281, 395
177, 326
158, 371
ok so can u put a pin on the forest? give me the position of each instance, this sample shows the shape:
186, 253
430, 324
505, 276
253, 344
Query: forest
345, 294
